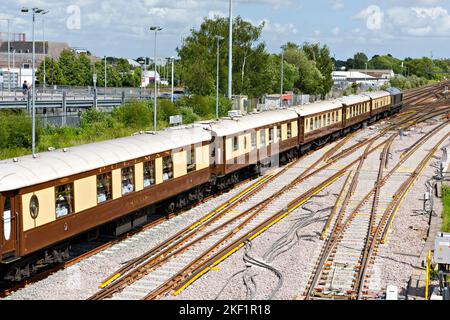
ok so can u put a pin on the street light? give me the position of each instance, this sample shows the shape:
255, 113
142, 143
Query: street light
366, 74
230, 53
282, 77
34, 11
218, 38
9, 54
43, 45
173, 71
106, 79
155, 29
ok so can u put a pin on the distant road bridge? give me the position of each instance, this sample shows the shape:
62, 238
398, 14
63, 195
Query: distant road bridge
70, 99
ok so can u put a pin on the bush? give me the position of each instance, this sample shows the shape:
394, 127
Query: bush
92, 116
15, 130
4, 134
134, 114
188, 115
166, 109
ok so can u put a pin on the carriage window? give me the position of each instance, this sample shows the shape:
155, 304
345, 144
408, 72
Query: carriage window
167, 168
253, 140
278, 133
328, 119
245, 143
127, 180
262, 137
64, 200
7, 219
289, 130
311, 124
235, 143
149, 174
104, 187
190, 158
270, 135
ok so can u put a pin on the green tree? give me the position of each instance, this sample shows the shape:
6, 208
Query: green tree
309, 78
198, 58
360, 59
385, 62
54, 75
322, 59
134, 114
291, 74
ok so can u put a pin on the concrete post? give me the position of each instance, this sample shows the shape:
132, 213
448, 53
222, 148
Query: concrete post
95, 98
28, 101
64, 106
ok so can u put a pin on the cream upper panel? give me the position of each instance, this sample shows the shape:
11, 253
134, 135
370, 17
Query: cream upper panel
202, 157
47, 208
85, 193
179, 164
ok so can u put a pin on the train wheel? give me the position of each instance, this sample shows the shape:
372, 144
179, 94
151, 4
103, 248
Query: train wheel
170, 208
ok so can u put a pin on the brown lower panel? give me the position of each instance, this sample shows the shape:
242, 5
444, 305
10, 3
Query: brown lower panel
322, 133
358, 119
54, 232
380, 110
253, 157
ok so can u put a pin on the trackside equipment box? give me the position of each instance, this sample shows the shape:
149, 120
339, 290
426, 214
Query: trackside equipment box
442, 248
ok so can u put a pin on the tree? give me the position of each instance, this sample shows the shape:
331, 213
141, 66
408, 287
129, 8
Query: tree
308, 78
198, 58
54, 73
291, 74
360, 59
385, 62
322, 59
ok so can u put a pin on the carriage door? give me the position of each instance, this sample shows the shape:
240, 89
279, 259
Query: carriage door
8, 224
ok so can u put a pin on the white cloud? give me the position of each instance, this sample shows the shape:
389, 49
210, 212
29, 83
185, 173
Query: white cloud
410, 21
335, 31
336, 4
279, 28
373, 15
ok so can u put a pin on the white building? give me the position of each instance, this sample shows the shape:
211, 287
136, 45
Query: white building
18, 76
148, 77
345, 78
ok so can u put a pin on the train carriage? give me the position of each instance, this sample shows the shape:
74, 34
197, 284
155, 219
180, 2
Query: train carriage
356, 109
58, 195
381, 104
249, 140
318, 120
66, 192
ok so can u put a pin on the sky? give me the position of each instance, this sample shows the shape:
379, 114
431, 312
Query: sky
119, 28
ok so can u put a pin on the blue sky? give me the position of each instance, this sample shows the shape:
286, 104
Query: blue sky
118, 28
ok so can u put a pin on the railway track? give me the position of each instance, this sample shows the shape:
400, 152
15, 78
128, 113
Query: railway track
159, 272
342, 268
219, 226
327, 160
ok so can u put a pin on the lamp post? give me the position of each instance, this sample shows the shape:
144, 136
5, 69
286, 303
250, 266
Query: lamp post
43, 47
9, 54
172, 78
106, 79
34, 11
366, 74
230, 52
282, 77
218, 38
155, 29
